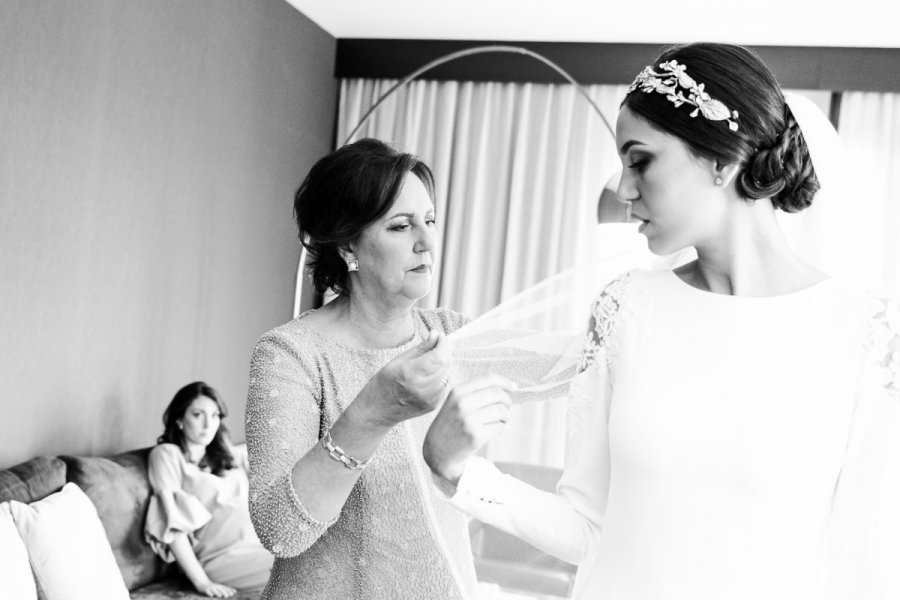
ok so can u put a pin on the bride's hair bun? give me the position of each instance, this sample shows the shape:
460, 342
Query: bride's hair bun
782, 171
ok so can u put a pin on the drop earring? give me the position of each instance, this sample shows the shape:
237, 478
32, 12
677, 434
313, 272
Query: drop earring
352, 265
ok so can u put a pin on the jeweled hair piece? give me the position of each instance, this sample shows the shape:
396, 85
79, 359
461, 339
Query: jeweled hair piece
672, 76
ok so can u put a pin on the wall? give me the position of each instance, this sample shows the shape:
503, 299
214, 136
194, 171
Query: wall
149, 152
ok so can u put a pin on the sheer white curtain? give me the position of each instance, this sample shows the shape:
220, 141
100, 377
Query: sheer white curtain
519, 168
869, 127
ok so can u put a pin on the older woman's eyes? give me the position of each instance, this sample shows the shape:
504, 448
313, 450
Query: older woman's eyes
399, 227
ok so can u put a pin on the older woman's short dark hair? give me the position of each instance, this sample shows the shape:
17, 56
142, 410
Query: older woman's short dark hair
768, 144
343, 193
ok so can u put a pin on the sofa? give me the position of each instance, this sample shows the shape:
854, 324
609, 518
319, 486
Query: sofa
118, 488
120, 491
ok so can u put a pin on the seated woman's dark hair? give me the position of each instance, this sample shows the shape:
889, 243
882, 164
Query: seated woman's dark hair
218, 453
343, 193
768, 145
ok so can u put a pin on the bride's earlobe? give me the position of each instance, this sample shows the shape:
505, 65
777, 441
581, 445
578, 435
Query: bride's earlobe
724, 174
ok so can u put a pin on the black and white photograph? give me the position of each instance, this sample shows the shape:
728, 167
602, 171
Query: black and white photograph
473, 300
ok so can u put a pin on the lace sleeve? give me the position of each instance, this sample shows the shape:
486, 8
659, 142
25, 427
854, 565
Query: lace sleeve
864, 536
600, 340
884, 344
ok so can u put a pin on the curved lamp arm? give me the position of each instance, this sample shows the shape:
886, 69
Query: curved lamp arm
480, 50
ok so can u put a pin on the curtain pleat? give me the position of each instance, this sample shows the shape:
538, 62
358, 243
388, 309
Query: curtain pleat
869, 128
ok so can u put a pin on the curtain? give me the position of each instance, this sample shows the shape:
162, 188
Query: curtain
869, 127
519, 168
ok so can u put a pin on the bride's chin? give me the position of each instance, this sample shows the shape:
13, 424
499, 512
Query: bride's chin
660, 248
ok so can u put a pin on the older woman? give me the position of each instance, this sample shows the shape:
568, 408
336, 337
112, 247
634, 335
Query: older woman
340, 397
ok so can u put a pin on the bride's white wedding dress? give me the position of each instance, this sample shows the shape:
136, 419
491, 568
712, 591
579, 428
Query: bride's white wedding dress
722, 447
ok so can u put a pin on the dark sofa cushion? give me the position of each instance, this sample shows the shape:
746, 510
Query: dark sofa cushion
32, 480
119, 488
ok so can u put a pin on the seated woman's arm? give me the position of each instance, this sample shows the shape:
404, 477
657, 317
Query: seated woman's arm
173, 516
187, 560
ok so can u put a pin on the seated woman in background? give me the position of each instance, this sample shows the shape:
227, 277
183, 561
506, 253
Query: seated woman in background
199, 515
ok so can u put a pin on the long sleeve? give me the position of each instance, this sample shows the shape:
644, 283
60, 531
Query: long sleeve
239, 452
864, 546
282, 424
172, 511
565, 524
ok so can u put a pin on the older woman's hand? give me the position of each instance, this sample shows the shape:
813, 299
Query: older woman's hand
474, 412
410, 385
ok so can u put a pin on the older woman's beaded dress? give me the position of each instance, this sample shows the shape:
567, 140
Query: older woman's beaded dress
394, 537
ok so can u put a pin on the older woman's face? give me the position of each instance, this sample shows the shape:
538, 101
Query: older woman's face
396, 252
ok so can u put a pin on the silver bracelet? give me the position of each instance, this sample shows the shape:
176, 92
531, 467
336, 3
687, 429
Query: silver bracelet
339, 455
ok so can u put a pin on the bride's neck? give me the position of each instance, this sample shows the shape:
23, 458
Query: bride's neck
751, 257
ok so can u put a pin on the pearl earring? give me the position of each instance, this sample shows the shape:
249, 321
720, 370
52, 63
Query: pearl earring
718, 181
352, 265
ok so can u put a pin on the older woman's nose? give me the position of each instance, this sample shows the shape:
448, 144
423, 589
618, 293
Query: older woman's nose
427, 239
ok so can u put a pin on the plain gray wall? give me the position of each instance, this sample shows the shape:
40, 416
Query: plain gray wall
149, 151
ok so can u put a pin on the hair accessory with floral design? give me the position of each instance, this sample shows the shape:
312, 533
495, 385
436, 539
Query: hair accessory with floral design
672, 76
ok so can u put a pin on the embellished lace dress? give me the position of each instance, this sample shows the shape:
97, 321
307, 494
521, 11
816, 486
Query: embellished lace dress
212, 511
394, 538
722, 447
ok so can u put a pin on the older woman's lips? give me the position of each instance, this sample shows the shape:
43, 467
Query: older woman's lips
422, 269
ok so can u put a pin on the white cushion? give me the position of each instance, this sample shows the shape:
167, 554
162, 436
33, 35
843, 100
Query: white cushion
17, 580
67, 547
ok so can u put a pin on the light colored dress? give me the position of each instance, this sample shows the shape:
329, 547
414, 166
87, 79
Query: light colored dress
212, 510
395, 538
722, 447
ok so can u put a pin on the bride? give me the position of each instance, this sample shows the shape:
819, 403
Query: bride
733, 429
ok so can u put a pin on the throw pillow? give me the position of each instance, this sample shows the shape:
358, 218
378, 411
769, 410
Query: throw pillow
119, 489
69, 552
16, 580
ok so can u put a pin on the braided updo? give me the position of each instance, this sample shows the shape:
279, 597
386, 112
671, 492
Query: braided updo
782, 171
768, 145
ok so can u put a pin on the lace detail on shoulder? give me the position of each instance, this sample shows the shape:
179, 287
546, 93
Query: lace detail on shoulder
884, 343
599, 339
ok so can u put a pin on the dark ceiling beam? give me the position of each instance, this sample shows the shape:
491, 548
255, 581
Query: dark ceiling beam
796, 67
